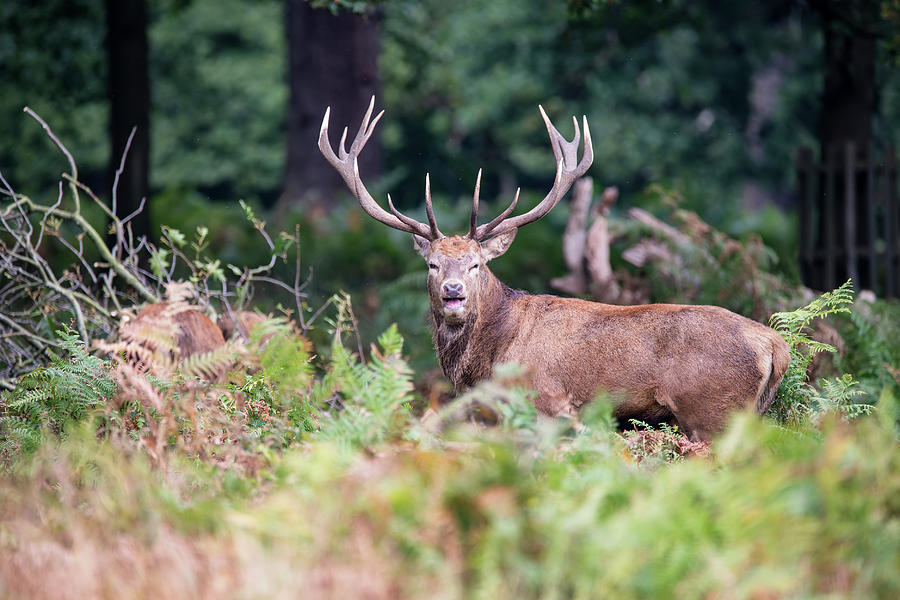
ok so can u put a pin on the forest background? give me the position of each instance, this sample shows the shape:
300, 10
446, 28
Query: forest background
319, 452
708, 100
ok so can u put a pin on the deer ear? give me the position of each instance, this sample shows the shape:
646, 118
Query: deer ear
496, 246
422, 244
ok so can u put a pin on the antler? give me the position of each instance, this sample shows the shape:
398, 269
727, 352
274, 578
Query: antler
568, 169
347, 166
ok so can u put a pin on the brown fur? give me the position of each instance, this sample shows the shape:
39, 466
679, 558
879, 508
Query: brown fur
197, 334
661, 362
246, 320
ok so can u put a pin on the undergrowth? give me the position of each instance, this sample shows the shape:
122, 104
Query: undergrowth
306, 472
50, 398
797, 399
365, 403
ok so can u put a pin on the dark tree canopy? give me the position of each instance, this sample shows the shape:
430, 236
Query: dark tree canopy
709, 98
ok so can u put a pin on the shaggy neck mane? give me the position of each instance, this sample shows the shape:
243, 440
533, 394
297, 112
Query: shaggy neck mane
467, 351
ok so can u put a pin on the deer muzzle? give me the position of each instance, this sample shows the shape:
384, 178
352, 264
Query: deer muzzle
453, 296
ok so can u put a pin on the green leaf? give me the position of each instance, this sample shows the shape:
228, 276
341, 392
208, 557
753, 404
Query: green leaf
176, 236
159, 261
391, 341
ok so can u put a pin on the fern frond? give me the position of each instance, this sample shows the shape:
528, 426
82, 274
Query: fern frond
52, 396
829, 303
269, 327
286, 357
841, 394
796, 399
209, 365
375, 396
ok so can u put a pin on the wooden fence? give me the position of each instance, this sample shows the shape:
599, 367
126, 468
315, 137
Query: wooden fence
849, 211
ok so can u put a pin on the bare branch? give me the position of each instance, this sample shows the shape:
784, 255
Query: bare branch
115, 186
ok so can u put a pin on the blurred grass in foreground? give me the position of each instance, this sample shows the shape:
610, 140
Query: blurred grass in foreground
771, 512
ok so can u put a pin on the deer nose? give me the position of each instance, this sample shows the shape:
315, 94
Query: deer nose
453, 289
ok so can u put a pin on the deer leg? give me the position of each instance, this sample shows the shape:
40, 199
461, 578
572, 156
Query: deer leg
698, 425
665, 399
555, 402
685, 423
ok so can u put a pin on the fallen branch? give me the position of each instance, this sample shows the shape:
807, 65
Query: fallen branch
586, 249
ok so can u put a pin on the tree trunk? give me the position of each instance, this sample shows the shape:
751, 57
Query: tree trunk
849, 99
333, 61
129, 95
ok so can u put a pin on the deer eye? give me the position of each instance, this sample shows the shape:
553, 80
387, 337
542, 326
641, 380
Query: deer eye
432, 266
473, 267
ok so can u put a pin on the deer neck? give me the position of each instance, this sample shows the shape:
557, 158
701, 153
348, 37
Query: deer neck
467, 352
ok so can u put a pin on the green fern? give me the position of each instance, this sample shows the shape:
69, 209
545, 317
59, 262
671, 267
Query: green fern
505, 400
870, 339
48, 399
365, 404
209, 365
663, 443
796, 398
842, 395
285, 356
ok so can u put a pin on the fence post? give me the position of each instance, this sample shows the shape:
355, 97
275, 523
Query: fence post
850, 213
871, 232
890, 210
807, 180
827, 224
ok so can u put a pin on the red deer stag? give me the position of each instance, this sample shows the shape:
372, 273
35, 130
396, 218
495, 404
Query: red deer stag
662, 362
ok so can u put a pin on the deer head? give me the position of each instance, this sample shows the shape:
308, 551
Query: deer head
458, 277
457, 272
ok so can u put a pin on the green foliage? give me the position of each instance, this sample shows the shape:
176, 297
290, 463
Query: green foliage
335, 6
796, 399
661, 444
842, 395
366, 404
49, 399
218, 91
52, 59
871, 350
656, 81
284, 356
504, 400
688, 261
258, 399
227, 237
574, 519
286, 373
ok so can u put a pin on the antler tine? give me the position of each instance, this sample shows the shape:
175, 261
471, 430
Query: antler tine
408, 220
571, 148
365, 129
342, 145
364, 126
473, 219
556, 138
486, 229
588, 145
325, 145
429, 210
347, 166
568, 169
